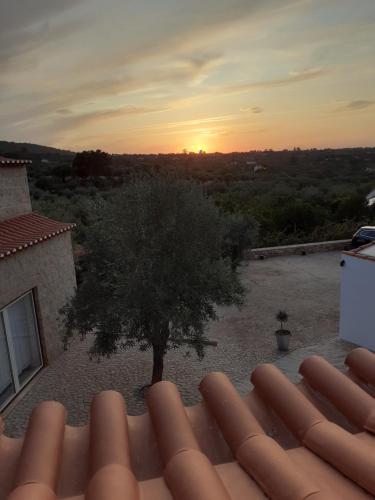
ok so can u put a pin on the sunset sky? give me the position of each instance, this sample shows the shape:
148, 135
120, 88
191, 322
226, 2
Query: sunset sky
163, 75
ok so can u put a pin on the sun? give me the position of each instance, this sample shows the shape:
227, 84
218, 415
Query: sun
198, 148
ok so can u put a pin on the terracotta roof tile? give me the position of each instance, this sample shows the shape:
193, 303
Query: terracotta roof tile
226, 448
27, 230
9, 162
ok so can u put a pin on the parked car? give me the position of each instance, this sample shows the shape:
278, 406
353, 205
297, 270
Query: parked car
364, 235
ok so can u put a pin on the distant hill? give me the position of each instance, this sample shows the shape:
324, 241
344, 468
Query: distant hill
28, 151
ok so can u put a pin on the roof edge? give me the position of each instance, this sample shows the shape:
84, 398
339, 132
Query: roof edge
11, 162
356, 252
34, 239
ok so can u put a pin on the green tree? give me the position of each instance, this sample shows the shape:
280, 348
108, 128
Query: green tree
297, 216
154, 272
92, 164
241, 234
62, 171
352, 206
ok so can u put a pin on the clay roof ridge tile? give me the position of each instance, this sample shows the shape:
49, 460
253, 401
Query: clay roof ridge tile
276, 390
188, 472
332, 443
235, 419
256, 452
170, 422
349, 398
42, 446
109, 434
111, 473
351, 456
113, 482
32, 491
362, 363
260, 455
191, 476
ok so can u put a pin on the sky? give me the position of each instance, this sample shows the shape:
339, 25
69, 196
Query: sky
159, 76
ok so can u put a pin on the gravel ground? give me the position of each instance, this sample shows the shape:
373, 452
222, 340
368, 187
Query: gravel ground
306, 286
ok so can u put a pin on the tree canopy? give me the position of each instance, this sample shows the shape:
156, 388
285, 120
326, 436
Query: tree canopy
92, 163
155, 270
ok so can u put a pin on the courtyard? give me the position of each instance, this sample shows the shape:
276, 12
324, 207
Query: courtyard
307, 287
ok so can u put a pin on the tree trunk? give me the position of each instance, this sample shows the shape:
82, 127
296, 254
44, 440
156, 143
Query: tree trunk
157, 369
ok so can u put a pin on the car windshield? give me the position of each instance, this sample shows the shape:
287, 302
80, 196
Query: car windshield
367, 233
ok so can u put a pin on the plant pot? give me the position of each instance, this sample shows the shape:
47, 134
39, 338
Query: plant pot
282, 338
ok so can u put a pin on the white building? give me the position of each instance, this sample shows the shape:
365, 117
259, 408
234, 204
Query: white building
357, 305
37, 277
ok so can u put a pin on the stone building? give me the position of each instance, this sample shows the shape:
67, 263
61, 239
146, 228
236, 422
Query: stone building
37, 277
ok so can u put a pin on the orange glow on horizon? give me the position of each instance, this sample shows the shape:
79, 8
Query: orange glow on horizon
197, 148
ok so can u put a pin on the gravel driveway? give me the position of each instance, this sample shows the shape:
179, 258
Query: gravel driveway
306, 286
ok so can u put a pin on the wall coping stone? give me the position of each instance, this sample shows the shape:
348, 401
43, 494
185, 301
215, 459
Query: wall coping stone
299, 249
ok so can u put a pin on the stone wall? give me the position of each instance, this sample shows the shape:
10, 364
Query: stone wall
48, 269
303, 249
14, 192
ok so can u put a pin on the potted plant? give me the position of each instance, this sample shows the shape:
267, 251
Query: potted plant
282, 334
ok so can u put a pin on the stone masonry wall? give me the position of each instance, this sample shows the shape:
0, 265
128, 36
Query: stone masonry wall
49, 269
302, 249
14, 192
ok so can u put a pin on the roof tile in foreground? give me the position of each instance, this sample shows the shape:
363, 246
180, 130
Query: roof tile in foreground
314, 440
27, 230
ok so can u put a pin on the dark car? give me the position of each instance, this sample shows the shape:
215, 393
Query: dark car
364, 235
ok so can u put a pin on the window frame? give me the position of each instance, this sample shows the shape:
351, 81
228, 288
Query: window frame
18, 387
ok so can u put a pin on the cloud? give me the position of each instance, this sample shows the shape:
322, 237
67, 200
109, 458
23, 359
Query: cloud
97, 66
204, 60
71, 121
20, 15
293, 77
22, 43
27, 27
201, 121
255, 109
180, 71
123, 32
193, 24
358, 105
53, 130
355, 105
109, 49
64, 111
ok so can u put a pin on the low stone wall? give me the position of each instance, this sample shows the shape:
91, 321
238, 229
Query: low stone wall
303, 249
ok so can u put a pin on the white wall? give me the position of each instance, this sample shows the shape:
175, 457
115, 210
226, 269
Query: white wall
357, 304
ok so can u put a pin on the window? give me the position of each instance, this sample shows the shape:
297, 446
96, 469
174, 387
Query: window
367, 233
20, 353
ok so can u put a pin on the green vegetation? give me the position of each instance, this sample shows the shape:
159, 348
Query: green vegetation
284, 197
282, 317
154, 270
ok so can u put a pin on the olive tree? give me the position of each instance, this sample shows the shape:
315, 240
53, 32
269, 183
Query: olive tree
154, 271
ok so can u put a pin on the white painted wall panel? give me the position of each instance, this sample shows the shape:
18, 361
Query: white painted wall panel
357, 302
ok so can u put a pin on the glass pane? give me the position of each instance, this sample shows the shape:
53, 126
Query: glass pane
25, 337
6, 382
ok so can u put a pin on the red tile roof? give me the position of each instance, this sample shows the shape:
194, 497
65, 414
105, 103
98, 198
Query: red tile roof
9, 162
366, 252
27, 230
314, 440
